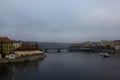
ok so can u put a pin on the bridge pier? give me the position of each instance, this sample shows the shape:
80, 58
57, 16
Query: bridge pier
46, 50
69, 50
58, 50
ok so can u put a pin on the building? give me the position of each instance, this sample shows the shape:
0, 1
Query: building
6, 46
117, 44
27, 50
86, 44
105, 43
17, 44
0, 56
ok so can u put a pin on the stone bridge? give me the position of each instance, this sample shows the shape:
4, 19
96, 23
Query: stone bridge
57, 49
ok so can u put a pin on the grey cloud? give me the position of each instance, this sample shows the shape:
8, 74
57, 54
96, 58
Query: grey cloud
63, 20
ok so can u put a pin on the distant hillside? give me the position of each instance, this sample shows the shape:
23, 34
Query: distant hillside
48, 44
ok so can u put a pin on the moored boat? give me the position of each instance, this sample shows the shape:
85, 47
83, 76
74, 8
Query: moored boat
105, 54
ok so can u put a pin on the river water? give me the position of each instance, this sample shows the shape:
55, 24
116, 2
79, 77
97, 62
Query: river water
65, 66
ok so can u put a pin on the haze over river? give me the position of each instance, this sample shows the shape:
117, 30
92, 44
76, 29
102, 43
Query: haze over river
65, 66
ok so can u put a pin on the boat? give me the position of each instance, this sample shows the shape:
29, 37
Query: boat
105, 54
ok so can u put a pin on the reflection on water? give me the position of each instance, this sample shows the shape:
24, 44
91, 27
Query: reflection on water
13, 71
64, 66
4, 69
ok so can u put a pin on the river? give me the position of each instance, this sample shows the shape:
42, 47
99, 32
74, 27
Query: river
65, 66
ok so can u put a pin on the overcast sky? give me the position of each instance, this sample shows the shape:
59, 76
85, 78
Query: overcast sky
60, 20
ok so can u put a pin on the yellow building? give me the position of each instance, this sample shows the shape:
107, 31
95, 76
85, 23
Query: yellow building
6, 46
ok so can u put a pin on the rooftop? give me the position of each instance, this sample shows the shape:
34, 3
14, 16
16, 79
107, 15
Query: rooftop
7, 40
27, 48
117, 41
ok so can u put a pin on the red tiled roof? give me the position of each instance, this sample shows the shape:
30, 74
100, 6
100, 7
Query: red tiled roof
27, 48
117, 43
5, 39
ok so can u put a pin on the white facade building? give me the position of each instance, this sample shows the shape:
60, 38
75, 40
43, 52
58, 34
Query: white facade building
117, 47
0, 56
17, 44
27, 51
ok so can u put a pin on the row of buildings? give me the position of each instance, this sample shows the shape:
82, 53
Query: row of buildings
109, 45
11, 48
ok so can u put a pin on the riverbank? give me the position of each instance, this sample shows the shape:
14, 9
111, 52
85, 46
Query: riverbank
24, 59
97, 50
